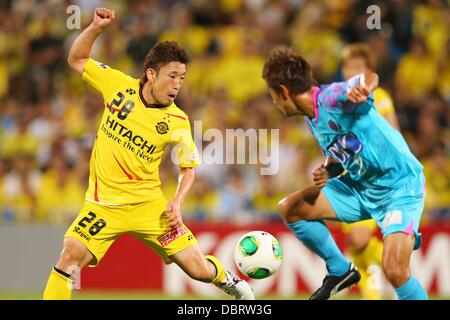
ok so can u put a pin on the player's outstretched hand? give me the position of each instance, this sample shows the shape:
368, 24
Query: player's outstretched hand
103, 17
320, 176
358, 94
173, 213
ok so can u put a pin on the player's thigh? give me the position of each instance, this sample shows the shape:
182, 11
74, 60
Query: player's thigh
397, 249
318, 207
152, 228
309, 203
96, 227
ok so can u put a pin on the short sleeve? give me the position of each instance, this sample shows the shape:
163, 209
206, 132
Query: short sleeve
102, 77
184, 147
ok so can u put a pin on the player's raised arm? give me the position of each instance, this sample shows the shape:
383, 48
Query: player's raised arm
368, 82
80, 51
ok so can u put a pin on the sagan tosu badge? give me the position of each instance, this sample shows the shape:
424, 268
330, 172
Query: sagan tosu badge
162, 127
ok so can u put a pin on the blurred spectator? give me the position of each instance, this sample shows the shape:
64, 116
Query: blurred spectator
318, 43
19, 188
202, 203
19, 140
443, 82
437, 171
413, 83
235, 199
181, 29
431, 23
428, 126
266, 198
386, 64
61, 194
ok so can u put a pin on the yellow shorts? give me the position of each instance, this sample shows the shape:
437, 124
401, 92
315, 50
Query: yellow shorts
98, 226
370, 224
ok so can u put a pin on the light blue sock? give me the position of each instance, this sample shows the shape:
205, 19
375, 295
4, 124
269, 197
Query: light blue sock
316, 237
411, 290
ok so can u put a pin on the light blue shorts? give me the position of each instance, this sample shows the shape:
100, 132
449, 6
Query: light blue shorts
399, 212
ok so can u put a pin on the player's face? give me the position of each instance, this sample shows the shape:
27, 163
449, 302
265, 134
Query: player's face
284, 103
353, 66
168, 82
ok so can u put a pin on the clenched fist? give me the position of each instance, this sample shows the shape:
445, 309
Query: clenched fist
320, 176
103, 17
358, 94
173, 213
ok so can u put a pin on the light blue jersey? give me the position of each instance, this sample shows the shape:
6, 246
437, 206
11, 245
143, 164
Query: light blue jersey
380, 167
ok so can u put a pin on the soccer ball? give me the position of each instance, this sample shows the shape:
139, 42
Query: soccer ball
258, 254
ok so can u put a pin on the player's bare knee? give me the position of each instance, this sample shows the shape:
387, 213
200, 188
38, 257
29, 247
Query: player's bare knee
283, 208
72, 255
68, 259
395, 272
288, 210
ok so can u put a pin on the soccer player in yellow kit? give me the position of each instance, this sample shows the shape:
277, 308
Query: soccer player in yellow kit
124, 196
364, 246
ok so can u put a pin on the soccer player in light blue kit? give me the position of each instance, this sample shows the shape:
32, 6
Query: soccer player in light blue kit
369, 172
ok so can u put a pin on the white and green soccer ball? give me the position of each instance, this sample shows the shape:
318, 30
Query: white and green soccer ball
258, 254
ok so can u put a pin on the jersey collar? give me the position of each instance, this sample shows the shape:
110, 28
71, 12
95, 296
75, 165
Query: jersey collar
315, 93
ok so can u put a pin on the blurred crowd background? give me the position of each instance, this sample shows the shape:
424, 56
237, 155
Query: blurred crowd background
49, 116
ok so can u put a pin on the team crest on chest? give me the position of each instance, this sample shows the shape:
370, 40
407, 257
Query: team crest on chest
162, 127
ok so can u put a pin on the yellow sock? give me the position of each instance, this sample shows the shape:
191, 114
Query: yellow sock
59, 286
220, 273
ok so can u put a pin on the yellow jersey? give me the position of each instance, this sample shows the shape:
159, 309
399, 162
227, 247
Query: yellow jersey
132, 136
383, 102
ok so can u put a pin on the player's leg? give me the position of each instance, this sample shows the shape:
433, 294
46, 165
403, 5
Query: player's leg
309, 203
74, 256
396, 257
365, 250
180, 246
400, 227
303, 212
209, 269
193, 262
85, 242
